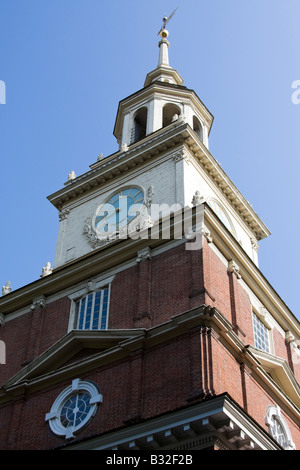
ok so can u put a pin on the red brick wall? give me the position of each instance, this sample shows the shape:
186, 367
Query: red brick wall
237, 379
164, 378
123, 299
146, 384
233, 302
144, 295
160, 287
27, 336
258, 401
216, 282
15, 336
171, 284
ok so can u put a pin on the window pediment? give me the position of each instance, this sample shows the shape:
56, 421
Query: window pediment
280, 372
62, 353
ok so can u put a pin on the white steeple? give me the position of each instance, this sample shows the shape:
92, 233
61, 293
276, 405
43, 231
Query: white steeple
162, 101
163, 50
164, 72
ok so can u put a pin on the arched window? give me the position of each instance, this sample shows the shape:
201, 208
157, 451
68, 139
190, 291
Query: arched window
139, 127
197, 126
170, 114
278, 428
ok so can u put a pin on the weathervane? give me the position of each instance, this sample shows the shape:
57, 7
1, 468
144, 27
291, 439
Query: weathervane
165, 21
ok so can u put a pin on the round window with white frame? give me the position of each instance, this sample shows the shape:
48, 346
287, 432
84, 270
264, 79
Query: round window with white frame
74, 408
278, 428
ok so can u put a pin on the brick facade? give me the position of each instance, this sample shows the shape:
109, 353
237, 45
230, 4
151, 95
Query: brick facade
155, 378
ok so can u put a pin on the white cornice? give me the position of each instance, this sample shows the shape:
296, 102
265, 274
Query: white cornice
218, 420
119, 252
111, 345
237, 201
163, 70
151, 148
119, 163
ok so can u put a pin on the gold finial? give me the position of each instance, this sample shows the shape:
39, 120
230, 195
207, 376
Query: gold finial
164, 33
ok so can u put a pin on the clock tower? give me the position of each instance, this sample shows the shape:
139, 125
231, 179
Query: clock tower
163, 165
154, 329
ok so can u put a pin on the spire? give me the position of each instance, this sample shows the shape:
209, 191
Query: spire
163, 49
163, 72
164, 44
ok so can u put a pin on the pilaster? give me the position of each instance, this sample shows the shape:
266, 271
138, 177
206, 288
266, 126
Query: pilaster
143, 317
15, 423
236, 308
36, 327
135, 388
201, 364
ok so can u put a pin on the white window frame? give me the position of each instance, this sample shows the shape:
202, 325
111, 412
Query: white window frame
261, 316
54, 416
89, 302
89, 288
274, 412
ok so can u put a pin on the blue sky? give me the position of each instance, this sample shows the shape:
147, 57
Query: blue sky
66, 65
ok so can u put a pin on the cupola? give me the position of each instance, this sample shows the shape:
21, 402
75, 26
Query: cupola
160, 103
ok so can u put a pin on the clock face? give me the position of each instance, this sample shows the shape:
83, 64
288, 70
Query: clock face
118, 211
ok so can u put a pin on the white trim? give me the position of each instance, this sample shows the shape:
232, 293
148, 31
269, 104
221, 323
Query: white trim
213, 201
277, 370
262, 319
98, 284
83, 292
53, 417
190, 426
275, 412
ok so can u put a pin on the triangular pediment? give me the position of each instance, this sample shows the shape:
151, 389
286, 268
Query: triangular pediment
75, 350
280, 372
